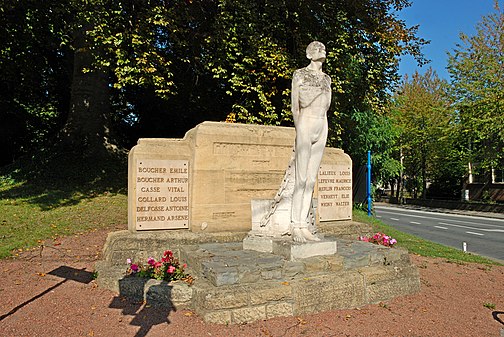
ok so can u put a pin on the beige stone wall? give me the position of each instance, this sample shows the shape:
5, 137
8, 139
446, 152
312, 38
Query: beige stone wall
229, 164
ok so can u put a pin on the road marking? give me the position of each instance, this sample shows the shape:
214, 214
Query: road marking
394, 219
440, 227
432, 217
378, 216
415, 223
475, 228
475, 233
453, 225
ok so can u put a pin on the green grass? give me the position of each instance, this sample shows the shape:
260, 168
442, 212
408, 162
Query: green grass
25, 225
420, 246
66, 195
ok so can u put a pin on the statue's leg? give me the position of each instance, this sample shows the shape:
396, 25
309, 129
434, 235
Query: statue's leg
303, 149
300, 232
317, 152
312, 138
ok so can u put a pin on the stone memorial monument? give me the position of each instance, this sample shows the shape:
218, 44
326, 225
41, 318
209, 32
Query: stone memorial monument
259, 239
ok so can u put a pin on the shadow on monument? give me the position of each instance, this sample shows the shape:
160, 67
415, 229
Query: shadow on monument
144, 306
65, 272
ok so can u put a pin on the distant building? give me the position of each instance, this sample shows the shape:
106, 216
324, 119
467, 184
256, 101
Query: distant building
484, 185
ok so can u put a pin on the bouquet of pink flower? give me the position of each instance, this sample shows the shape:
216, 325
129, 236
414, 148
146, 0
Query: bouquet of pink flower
167, 269
379, 239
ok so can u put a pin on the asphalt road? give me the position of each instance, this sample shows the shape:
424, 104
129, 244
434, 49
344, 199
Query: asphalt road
482, 235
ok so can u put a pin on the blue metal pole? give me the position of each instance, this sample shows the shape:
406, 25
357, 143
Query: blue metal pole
368, 184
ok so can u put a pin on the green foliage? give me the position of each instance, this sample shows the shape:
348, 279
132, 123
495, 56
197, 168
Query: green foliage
173, 64
489, 305
130, 40
259, 44
422, 111
34, 69
374, 132
477, 76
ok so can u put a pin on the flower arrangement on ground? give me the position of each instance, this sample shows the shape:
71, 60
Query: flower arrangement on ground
379, 239
167, 269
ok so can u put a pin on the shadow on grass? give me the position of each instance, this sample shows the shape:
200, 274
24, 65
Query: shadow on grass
65, 272
63, 179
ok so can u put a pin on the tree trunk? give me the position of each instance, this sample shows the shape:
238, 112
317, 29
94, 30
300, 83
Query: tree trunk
424, 178
87, 126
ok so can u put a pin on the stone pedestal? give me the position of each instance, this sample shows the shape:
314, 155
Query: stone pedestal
234, 286
288, 249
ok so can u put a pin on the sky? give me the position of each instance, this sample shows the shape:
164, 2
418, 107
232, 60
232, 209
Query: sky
441, 22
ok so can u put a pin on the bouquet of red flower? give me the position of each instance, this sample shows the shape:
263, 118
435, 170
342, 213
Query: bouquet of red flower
379, 239
167, 269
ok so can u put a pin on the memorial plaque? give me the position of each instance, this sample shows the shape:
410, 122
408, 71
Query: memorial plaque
334, 192
162, 194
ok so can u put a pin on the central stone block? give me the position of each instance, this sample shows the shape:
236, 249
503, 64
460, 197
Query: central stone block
206, 181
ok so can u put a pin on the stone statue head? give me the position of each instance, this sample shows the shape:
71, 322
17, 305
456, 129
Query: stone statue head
316, 51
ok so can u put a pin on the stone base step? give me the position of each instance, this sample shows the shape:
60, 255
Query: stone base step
233, 285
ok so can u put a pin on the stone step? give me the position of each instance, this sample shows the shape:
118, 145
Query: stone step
233, 285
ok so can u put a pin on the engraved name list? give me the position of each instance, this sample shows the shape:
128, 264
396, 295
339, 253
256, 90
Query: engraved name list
162, 194
335, 192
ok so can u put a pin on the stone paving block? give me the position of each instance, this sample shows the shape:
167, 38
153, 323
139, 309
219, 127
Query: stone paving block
259, 244
334, 263
358, 260
158, 293
383, 283
247, 274
270, 292
295, 251
220, 276
282, 309
217, 317
119, 257
396, 256
360, 273
292, 268
181, 292
315, 264
327, 292
269, 262
271, 274
176, 294
248, 314
132, 288
226, 297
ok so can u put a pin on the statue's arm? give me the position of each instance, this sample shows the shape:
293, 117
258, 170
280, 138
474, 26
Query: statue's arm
295, 97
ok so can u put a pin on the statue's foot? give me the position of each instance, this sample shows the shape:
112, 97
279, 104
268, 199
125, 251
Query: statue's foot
302, 235
297, 235
309, 235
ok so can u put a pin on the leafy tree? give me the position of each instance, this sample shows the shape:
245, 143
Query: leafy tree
477, 76
158, 67
377, 134
35, 74
424, 116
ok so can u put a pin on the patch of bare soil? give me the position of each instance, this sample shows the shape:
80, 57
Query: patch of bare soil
50, 292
